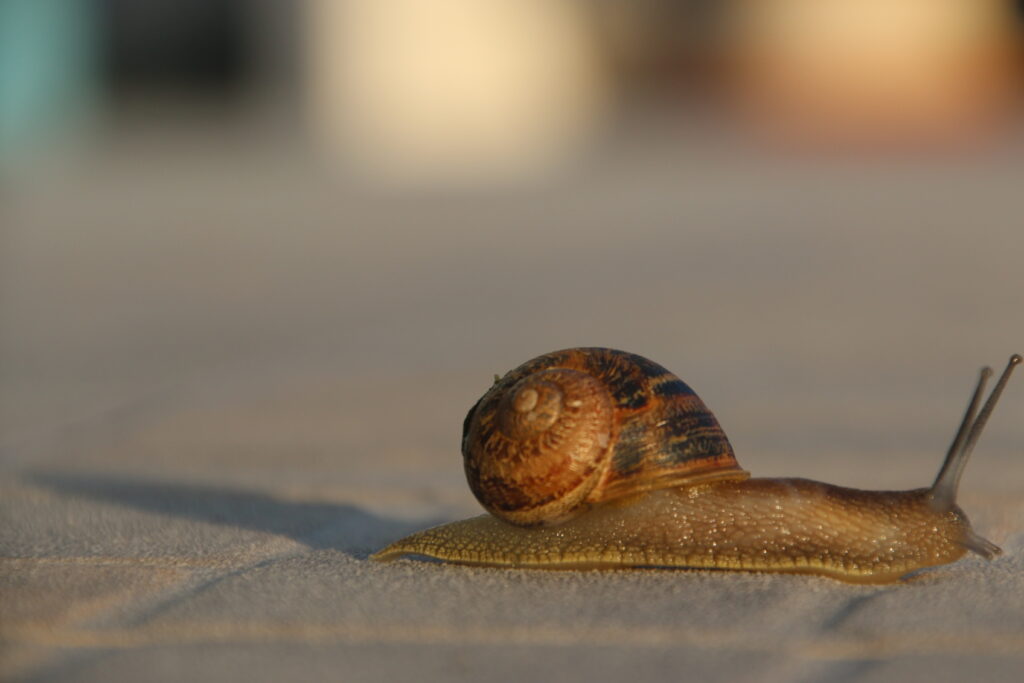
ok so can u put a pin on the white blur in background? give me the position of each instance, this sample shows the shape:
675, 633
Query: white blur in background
452, 89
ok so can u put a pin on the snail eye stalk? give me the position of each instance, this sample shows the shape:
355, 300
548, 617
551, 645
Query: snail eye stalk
947, 482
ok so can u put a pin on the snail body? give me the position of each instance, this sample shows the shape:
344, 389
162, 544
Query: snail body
589, 458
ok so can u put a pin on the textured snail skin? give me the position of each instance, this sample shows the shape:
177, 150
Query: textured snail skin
775, 525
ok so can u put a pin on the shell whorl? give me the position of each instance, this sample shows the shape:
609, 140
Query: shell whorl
572, 428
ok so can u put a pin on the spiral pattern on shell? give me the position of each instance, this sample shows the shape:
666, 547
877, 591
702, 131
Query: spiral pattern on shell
577, 427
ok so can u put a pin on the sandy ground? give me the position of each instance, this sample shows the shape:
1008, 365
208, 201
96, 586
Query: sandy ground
226, 377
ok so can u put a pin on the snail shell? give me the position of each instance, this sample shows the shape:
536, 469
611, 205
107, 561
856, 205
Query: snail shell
573, 428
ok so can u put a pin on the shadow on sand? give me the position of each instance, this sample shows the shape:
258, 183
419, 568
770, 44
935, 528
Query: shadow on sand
319, 525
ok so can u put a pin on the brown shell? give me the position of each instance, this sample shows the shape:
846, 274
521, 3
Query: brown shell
581, 426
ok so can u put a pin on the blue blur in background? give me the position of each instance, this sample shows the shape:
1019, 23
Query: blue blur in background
49, 69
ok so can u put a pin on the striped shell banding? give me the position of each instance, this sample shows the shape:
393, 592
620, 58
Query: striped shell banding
577, 427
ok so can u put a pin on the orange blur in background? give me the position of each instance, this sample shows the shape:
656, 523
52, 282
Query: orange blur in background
877, 71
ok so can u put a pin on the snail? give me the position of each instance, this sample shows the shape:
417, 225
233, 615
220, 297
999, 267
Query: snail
593, 458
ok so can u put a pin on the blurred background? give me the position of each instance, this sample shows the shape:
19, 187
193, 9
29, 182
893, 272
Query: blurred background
256, 242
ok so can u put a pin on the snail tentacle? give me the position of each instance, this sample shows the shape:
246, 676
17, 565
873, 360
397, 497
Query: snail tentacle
947, 483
